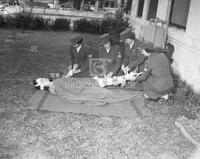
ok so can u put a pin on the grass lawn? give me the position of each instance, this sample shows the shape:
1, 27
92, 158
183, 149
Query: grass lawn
26, 134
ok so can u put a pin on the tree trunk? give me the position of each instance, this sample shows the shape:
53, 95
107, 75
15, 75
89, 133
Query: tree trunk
82, 4
96, 5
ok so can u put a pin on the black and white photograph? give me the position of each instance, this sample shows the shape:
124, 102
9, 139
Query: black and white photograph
99, 79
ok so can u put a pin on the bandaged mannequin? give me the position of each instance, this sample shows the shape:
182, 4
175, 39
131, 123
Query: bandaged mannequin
46, 84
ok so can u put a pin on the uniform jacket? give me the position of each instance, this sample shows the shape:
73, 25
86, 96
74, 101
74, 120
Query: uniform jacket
113, 57
156, 78
133, 57
81, 58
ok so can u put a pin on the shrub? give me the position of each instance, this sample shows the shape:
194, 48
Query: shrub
2, 21
28, 21
23, 20
37, 23
10, 22
114, 25
61, 24
95, 26
84, 25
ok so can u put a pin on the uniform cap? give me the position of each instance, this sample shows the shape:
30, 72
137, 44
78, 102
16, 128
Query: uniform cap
75, 39
127, 34
104, 39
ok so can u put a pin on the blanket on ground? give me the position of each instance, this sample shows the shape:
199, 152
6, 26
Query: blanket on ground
87, 91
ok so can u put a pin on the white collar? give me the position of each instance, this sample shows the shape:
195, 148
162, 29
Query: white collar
78, 48
131, 45
108, 50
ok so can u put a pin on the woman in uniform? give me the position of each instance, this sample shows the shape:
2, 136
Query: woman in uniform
111, 53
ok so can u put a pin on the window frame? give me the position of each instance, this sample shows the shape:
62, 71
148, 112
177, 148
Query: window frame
142, 9
147, 17
171, 13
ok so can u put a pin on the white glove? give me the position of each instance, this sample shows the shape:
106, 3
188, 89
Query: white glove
77, 71
125, 69
132, 76
144, 52
69, 67
109, 75
75, 66
73, 70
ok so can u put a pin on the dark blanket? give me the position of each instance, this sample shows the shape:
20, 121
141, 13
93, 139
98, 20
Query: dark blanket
87, 91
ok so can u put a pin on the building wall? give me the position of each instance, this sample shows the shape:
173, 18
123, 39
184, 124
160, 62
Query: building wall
186, 42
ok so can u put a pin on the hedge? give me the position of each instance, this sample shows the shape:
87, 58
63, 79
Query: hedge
28, 21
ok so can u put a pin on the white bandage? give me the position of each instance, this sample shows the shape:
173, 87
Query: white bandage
100, 81
121, 79
109, 81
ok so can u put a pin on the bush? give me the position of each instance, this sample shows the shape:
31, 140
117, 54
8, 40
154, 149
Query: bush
61, 24
84, 25
2, 21
23, 20
28, 21
37, 23
110, 24
114, 25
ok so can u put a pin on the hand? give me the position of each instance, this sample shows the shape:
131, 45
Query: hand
75, 66
126, 70
109, 75
69, 67
131, 76
69, 74
122, 67
144, 52
77, 71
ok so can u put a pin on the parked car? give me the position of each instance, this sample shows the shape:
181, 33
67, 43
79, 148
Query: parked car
51, 5
110, 10
4, 4
66, 6
89, 7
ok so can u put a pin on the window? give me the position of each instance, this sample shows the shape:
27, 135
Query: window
179, 13
112, 5
128, 7
153, 6
140, 8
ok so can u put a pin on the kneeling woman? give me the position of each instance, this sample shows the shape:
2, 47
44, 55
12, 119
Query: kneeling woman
156, 78
79, 56
111, 54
